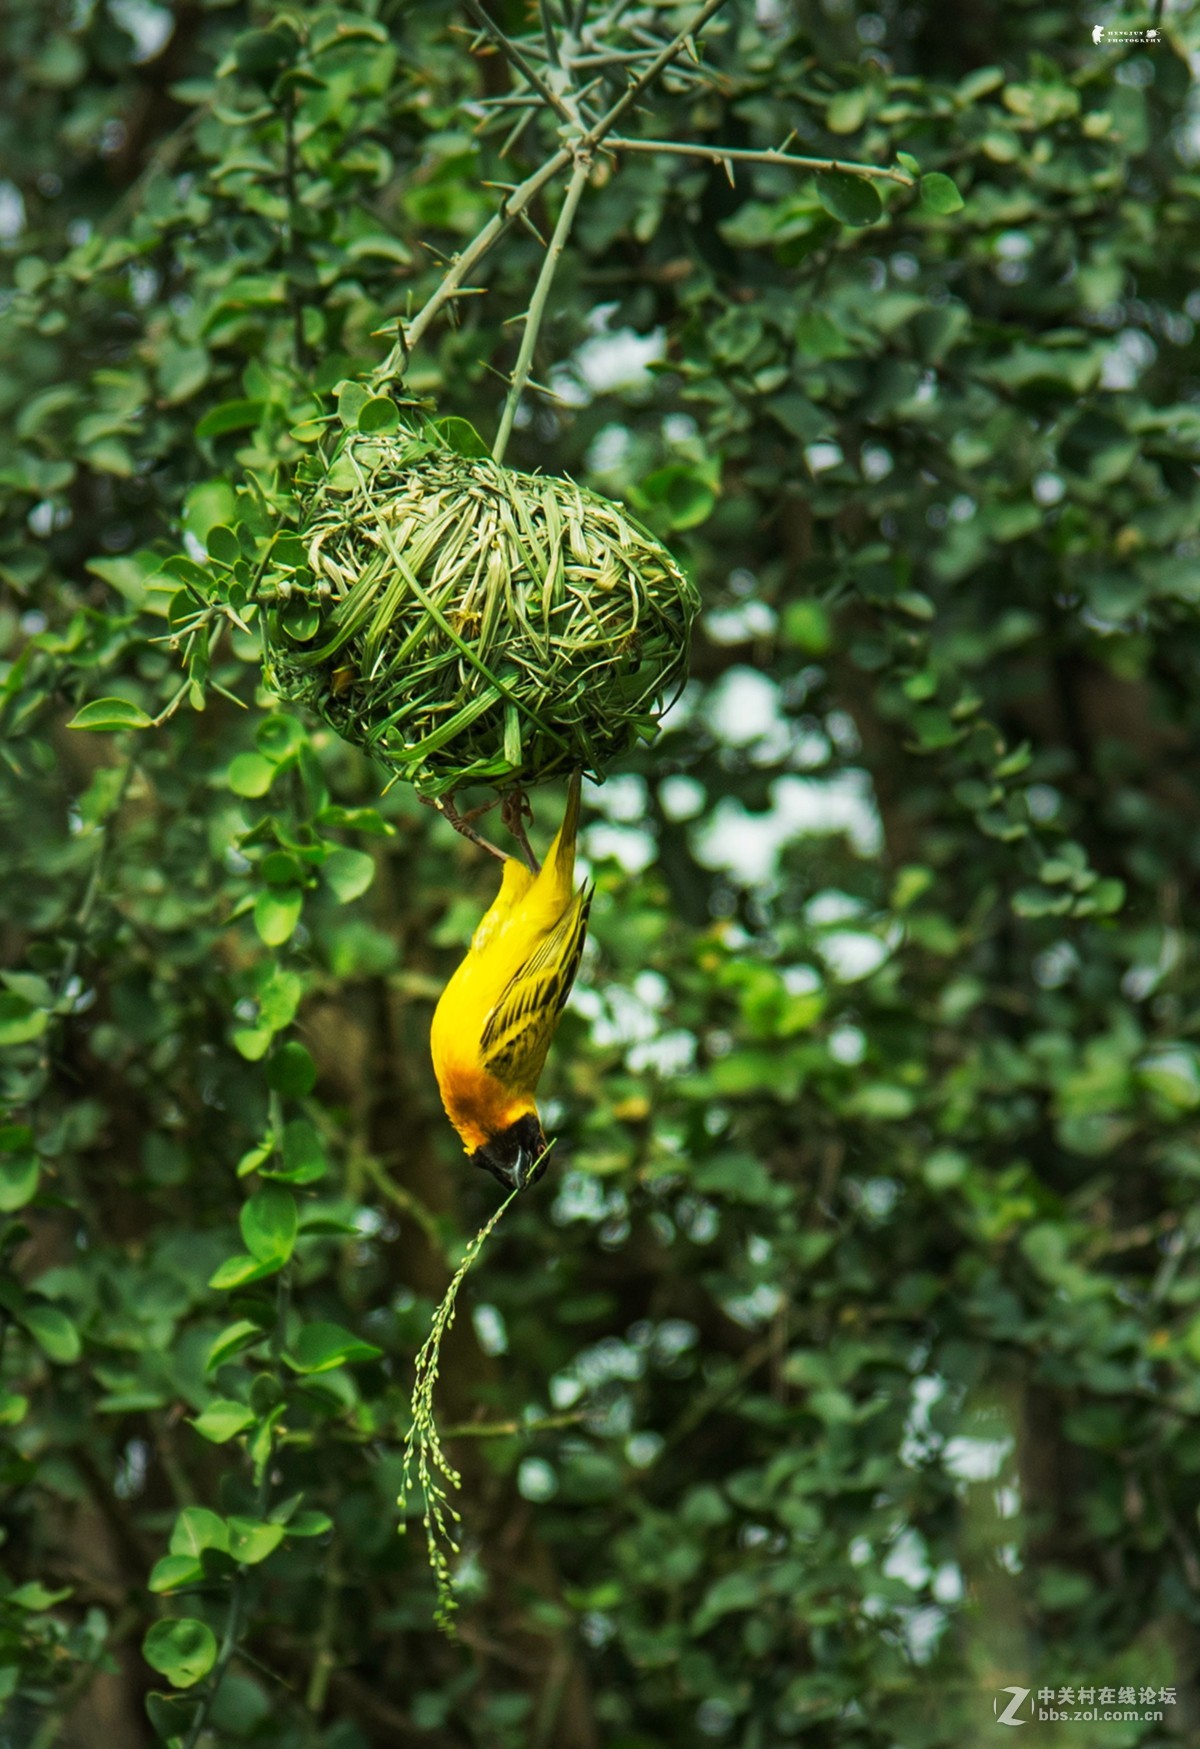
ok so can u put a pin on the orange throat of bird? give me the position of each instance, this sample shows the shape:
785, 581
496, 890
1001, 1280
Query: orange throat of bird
480, 1107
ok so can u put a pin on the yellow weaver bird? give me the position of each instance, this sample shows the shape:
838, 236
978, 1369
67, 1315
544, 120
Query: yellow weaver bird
496, 1017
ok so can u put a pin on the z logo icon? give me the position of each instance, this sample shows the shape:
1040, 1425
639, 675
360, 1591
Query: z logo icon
1008, 1716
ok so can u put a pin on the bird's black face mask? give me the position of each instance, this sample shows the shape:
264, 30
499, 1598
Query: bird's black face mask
516, 1157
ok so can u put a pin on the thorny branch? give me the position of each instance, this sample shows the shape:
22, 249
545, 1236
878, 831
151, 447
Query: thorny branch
582, 134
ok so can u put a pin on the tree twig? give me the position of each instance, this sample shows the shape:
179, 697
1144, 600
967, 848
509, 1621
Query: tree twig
647, 77
513, 55
409, 335
511, 1429
404, 1200
747, 155
537, 304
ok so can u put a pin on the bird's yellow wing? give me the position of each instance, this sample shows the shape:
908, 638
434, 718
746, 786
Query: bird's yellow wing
520, 1027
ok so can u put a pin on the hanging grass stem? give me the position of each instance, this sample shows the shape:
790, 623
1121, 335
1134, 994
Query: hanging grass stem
435, 1475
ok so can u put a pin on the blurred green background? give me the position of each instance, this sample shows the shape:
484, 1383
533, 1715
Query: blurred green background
843, 1371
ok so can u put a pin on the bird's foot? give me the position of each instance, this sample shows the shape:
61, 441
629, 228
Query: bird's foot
464, 823
514, 811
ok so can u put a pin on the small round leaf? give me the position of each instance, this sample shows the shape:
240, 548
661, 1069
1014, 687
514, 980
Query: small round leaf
251, 775
184, 1651
850, 199
380, 413
276, 914
939, 194
109, 714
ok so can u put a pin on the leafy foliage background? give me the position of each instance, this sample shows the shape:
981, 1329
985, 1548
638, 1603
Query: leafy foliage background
857, 1327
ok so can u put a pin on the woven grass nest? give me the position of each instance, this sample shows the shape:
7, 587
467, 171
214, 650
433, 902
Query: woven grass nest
465, 623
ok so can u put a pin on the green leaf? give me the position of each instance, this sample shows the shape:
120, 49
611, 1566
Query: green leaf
740, 1590
850, 199
805, 625
109, 714
847, 110
461, 436
19, 1175
253, 1158
303, 1155
740, 1177
243, 1334
20, 1022
279, 736
883, 1101
1105, 898
182, 370
292, 1071
262, 54
686, 495
339, 27
172, 1571
276, 914
223, 544
380, 413
1037, 902
945, 1168
302, 621
222, 1420
269, 1223
13, 1408
279, 868
939, 194
328, 1224
128, 576
251, 775
910, 883
252, 1042
978, 83
368, 820
261, 1442
208, 502
252, 1540
308, 1524
321, 1347
1173, 1073
54, 1333
197, 1529
171, 1715
236, 1271
231, 416
279, 995
184, 1651
35, 1595
352, 397
348, 873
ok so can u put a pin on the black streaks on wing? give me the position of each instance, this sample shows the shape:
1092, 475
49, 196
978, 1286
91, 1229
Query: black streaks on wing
520, 1027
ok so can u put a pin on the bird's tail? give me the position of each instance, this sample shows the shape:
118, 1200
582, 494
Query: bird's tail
559, 866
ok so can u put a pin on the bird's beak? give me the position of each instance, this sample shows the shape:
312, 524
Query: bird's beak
517, 1157
530, 1167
